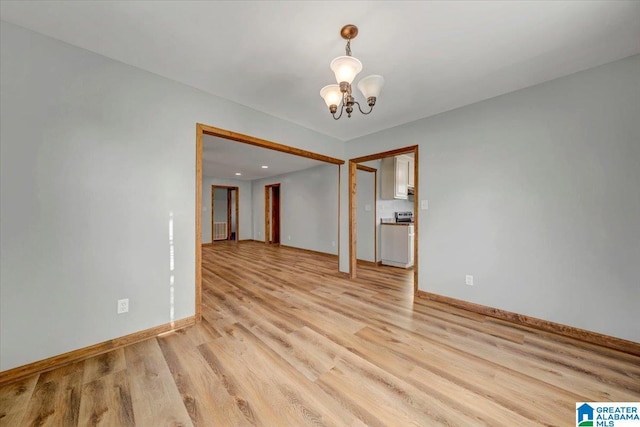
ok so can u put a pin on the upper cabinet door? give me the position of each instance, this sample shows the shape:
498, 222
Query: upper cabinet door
402, 177
396, 173
411, 173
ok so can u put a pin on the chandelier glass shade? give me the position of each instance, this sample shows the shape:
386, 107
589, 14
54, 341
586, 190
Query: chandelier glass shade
331, 95
370, 86
346, 68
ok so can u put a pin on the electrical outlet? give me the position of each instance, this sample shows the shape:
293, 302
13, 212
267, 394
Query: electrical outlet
289, 237
468, 280
123, 305
333, 244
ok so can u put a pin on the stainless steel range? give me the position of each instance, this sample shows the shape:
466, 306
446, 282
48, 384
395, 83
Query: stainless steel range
404, 216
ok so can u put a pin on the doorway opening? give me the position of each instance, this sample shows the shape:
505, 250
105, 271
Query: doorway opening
367, 243
272, 214
225, 213
201, 131
353, 218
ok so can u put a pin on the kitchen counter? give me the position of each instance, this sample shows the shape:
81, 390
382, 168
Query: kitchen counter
397, 223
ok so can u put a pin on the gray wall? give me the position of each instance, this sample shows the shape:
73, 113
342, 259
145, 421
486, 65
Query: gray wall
308, 208
97, 165
536, 194
220, 205
244, 187
365, 236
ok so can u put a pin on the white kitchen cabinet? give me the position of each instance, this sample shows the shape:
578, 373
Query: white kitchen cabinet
396, 243
411, 180
395, 178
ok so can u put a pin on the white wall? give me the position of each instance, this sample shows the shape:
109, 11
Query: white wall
97, 160
535, 193
308, 208
244, 188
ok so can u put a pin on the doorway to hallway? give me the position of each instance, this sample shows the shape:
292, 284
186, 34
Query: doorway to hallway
225, 209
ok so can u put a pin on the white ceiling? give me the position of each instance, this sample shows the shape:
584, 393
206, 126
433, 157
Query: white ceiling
274, 56
222, 158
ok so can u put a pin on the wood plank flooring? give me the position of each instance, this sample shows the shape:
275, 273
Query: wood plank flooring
287, 341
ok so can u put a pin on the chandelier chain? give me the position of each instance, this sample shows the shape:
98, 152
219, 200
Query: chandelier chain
348, 48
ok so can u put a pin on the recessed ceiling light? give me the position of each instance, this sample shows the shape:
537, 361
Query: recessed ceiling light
265, 167
238, 174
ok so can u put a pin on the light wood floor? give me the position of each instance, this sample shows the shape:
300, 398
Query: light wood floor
285, 341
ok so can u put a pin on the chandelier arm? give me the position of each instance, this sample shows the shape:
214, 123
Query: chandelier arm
359, 108
341, 111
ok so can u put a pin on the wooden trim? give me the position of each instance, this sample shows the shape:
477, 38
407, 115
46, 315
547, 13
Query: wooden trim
198, 275
384, 154
237, 214
310, 251
365, 262
536, 323
267, 222
366, 168
416, 217
229, 219
54, 362
338, 238
352, 220
263, 143
375, 216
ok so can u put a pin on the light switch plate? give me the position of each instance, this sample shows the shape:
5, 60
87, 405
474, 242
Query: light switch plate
424, 205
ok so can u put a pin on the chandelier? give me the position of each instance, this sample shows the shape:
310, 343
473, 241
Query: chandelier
346, 68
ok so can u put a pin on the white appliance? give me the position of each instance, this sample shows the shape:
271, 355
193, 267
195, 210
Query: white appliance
406, 216
397, 244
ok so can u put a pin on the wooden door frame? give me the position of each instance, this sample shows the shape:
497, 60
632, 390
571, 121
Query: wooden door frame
268, 211
237, 213
353, 167
201, 130
375, 209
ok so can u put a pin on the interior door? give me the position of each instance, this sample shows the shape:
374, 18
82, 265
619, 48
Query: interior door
272, 213
229, 220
